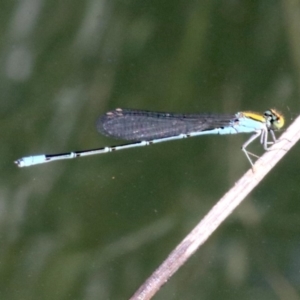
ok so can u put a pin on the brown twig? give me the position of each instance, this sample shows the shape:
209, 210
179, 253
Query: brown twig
218, 213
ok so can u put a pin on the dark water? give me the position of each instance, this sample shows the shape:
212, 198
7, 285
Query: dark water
95, 228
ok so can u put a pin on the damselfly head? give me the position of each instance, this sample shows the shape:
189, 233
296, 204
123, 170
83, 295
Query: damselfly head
274, 118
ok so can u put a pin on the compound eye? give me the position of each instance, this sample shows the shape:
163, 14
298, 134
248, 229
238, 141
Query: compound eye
268, 113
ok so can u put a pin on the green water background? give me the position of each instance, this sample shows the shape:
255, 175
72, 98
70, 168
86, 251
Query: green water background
97, 227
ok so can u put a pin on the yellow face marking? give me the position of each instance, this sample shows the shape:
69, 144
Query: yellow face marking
280, 119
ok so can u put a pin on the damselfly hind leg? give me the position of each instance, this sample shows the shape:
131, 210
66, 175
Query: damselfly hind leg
247, 143
263, 134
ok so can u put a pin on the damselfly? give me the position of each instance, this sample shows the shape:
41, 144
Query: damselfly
145, 128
